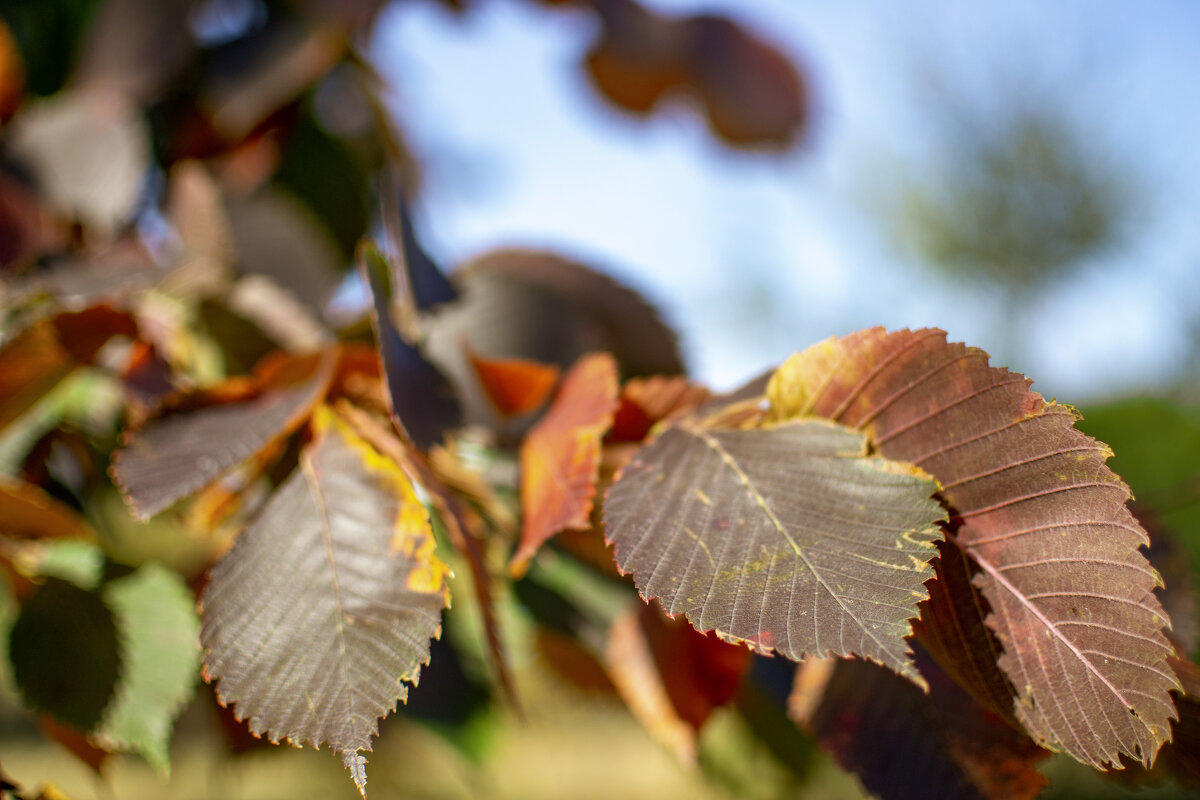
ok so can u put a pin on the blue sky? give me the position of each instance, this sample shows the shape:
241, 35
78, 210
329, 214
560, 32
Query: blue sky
519, 151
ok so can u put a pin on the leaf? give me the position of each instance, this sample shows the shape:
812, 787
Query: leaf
179, 454
560, 458
671, 676
1061, 580
645, 402
905, 743
88, 150
545, 308
28, 512
750, 92
327, 602
158, 629
790, 538
64, 653
422, 401
36, 359
514, 385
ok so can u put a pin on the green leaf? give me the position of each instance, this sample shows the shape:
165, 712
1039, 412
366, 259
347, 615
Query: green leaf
159, 631
327, 603
64, 653
788, 538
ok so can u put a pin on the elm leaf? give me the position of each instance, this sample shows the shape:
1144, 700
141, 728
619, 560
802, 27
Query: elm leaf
178, 455
327, 603
791, 538
1059, 577
157, 625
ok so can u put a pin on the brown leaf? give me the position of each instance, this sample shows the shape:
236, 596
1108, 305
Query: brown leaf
28, 512
514, 385
905, 743
12, 73
560, 458
751, 93
789, 538
1061, 579
179, 453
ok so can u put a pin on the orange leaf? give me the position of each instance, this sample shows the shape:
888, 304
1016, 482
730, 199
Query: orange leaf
514, 385
560, 458
647, 401
29, 512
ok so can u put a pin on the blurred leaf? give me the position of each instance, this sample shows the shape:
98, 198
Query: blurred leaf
267, 72
318, 169
12, 74
156, 621
826, 545
88, 152
905, 743
135, 46
278, 236
751, 93
422, 401
645, 402
45, 32
28, 512
327, 602
1062, 582
180, 453
560, 458
514, 385
64, 653
429, 286
36, 359
672, 676
541, 307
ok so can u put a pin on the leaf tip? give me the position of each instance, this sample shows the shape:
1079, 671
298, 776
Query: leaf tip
357, 764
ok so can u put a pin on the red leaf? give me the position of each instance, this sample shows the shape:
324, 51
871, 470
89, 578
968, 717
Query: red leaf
560, 458
515, 385
1061, 581
648, 401
904, 743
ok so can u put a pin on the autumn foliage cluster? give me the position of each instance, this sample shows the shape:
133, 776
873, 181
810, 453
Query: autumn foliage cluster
886, 545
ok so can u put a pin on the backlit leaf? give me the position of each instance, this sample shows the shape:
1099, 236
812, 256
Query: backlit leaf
1061, 579
560, 458
647, 401
326, 604
179, 454
789, 538
158, 628
905, 743
514, 385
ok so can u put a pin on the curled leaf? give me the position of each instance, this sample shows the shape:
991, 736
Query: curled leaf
560, 458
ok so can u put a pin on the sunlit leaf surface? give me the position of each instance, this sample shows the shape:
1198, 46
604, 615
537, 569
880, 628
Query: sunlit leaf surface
326, 604
790, 538
179, 454
560, 458
1043, 522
